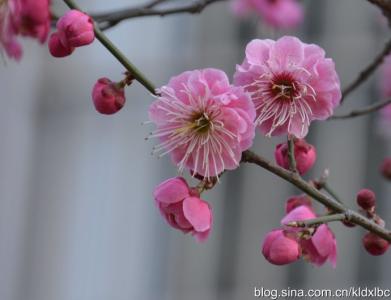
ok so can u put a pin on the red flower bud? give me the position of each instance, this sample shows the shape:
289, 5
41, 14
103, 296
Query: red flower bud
366, 199
56, 48
108, 96
374, 244
305, 155
296, 201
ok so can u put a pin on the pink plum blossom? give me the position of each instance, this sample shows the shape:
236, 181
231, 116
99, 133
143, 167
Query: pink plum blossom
108, 97
280, 249
283, 14
22, 18
74, 29
316, 246
203, 121
291, 83
319, 247
183, 209
305, 155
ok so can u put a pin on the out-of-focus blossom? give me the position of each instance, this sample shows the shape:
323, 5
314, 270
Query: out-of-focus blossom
183, 209
305, 155
22, 18
281, 14
203, 121
291, 84
74, 29
384, 123
385, 168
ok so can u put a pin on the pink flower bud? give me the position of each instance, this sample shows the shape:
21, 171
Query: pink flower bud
385, 168
76, 29
296, 201
280, 249
182, 209
366, 199
374, 244
56, 48
305, 155
108, 96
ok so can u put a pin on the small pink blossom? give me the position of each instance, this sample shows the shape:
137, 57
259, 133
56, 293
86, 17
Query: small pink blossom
305, 155
316, 247
284, 14
291, 84
74, 29
108, 97
183, 209
203, 121
280, 249
22, 18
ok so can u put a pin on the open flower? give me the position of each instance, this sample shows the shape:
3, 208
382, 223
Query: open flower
183, 209
291, 84
284, 14
203, 121
22, 18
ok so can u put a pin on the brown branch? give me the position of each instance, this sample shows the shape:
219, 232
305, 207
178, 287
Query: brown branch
108, 20
296, 180
367, 72
363, 111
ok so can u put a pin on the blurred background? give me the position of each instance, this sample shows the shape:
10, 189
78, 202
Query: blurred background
77, 219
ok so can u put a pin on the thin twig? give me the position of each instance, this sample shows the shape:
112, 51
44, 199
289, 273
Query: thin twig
110, 19
319, 220
291, 154
137, 74
363, 111
367, 72
333, 205
331, 192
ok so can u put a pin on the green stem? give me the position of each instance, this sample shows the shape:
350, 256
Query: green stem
138, 75
291, 154
319, 220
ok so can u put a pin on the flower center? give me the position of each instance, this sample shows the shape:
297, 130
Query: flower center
200, 122
283, 86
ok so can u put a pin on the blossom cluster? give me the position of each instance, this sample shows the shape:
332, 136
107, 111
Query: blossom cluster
22, 18
205, 120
